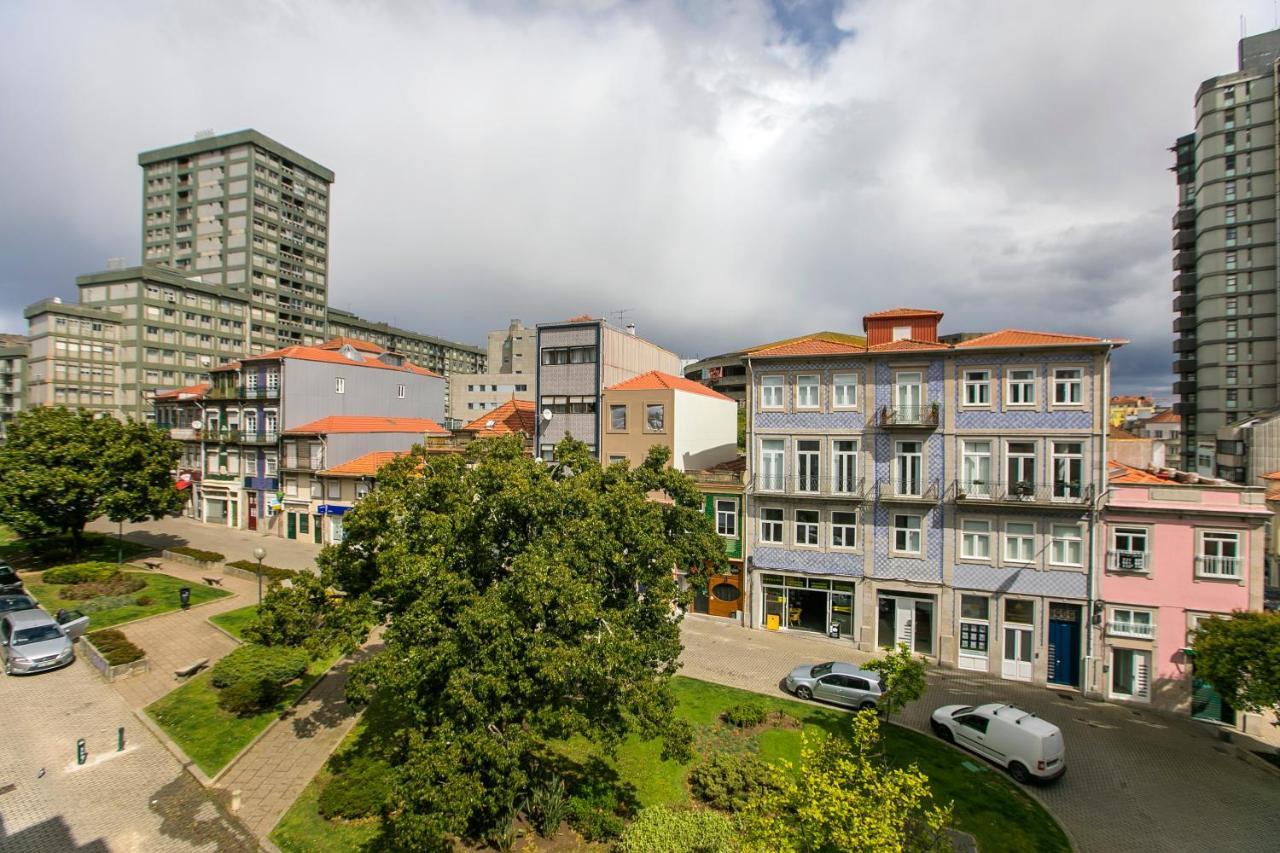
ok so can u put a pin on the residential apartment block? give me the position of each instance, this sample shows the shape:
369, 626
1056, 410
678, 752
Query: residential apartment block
914, 490
74, 357
512, 361
578, 359
699, 426
444, 357
13, 377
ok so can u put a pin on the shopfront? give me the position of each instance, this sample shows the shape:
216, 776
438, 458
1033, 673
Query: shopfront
907, 618
820, 605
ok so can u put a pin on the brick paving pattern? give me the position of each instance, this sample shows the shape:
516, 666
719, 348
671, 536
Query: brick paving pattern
1136, 780
233, 544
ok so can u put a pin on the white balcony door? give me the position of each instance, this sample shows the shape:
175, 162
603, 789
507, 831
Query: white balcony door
977, 468
909, 395
1017, 653
908, 468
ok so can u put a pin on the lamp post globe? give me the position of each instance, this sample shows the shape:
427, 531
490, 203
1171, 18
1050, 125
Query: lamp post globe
259, 553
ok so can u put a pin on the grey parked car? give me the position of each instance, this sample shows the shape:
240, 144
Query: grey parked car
9, 580
839, 683
32, 641
14, 601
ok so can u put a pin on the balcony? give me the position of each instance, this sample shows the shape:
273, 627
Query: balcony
1184, 387
184, 434
1184, 408
1138, 562
1227, 568
268, 393
1184, 261
909, 417
1185, 303
261, 437
1185, 323
837, 487
306, 463
1144, 630
1186, 343
893, 489
1184, 218
1183, 238
1184, 365
1185, 281
981, 493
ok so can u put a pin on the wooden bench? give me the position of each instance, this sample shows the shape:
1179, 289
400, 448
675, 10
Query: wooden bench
153, 565
191, 668
211, 581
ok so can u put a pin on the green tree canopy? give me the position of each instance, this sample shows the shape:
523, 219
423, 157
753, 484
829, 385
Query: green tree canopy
902, 678
1240, 658
60, 469
527, 602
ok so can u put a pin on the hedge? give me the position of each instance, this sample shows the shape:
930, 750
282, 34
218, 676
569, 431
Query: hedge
253, 677
273, 573
661, 829
359, 790
118, 584
115, 647
197, 554
91, 572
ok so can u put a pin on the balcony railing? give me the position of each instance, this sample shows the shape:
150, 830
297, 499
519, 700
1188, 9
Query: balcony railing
1129, 561
303, 463
184, 434
1131, 629
924, 416
895, 489
267, 393
1217, 567
260, 437
982, 491
840, 487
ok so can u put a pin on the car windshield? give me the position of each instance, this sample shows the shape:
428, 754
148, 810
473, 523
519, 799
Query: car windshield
20, 602
965, 710
821, 669
36, 635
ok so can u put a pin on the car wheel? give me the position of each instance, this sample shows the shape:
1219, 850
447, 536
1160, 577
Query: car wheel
943, 732
1019, 772
867, 706
803, 692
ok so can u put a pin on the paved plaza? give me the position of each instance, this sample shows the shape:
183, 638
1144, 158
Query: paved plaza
234, 544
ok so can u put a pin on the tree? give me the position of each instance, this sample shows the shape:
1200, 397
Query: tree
1240, 658
527, 603
844, 797
902, 678
60, 469
305, 614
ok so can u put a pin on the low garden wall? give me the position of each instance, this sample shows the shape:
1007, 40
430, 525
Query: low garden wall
109, 672
189, 560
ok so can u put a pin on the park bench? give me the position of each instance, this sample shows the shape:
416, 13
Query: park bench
153, 565
191, 668
211, 581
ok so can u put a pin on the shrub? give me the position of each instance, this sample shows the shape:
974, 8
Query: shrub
594, 813
358, 790
116, 585
105, 602
253, 677
91, 572
662, 829
548, 807
728, 782
273, 573
745, 715
115, 647
144, 601
197, 554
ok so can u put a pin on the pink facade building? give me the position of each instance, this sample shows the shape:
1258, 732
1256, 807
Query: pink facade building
1180, 549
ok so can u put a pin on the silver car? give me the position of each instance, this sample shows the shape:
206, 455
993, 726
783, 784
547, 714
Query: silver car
33, 641
838, 683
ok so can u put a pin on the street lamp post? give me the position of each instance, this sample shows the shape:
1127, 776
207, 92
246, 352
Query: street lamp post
259, 553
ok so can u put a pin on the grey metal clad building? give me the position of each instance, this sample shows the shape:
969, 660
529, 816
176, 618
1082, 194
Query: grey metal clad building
444, 357
13, 376
1224, 244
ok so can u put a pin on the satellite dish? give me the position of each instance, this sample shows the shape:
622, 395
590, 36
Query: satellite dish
489, 423
197, 425
546, 414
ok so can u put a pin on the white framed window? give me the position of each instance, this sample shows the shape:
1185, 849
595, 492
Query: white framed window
400, 389
772, 464
808, 455
339, 385
727, 517
771, 525
977, 388
1129, 622
1068, 470
1021, 387
975, 539
273, 380
975, 631
908, 469
333, 488
975, 468
808, 391
1020, 469
362, 488
1129, 549
771, 392
317, 489
291, 486
1219, 555
251, 381
655, 417
1019, 542
1131, 674
844, 462
844, 388
1068, 386
807, 527
844, 530
269, 464
907, 533
618, 417
1066, 545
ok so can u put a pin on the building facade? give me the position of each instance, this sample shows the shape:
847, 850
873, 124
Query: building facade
74, 357
936, 494
699, 426
13, 377
512, 366
724, 495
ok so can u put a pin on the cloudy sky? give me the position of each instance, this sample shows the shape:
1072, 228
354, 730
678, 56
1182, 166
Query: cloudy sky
730, 172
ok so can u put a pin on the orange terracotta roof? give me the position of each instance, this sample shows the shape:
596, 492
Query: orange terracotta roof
1273, 494
511, 417
332, 356
1122, 434
1168, 416
656, 380
1022, 338
905, 312
817, 343
1130, 400
364, 466
904, 344
341, 341
1274, 475
1122, 474
581, 318
357, 423
189, 391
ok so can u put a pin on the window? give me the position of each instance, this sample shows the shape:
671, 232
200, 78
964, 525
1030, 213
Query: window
1126, 622
334, 489
1233, 376
1021, 468
400, 391
362, 488
317, 489
339, 385
845, 390
1219, 555
771, 525
975, 539
1019, 542
906, 534
291, 486
845, 463
807, 455
569, 355
1067, 545
1068, 470
807, 392
1128, 549
975, 467
771, 392
974, 630
1022, 387
618, 418
1233, 328
1233, 351
1130, 674
806, 527
908, 469
251, 381
655, 417
771, 464
844, 530
269, 463
1067, 382
273, 376
727, 518
614, 460
977, 387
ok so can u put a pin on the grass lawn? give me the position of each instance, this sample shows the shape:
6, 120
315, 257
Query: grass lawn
987, 804
233, 621
162, 589
211, 736
49, 551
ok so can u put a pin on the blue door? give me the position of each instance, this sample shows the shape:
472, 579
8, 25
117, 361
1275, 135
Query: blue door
1064, 644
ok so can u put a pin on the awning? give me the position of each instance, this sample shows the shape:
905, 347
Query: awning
182, 484
331, 509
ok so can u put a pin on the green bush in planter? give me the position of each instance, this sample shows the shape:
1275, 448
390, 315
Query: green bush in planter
728, 782
198, 554
115, 647
272, 573
92, 572
358, 790
253, 677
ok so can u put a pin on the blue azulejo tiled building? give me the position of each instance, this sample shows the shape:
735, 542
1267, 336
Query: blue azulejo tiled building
933, 491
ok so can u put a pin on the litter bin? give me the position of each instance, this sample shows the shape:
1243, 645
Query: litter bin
184, 596
833, 631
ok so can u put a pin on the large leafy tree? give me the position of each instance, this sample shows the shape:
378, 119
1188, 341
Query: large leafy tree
528, 602
60, 469
902, 678
1240, 658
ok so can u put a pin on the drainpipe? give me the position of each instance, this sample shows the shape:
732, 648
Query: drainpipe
748, 562
1095, 512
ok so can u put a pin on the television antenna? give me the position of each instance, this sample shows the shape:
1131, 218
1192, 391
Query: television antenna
621, 315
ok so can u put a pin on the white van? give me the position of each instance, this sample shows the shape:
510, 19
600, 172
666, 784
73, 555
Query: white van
1029, 747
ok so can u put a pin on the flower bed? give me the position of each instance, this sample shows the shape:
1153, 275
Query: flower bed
193, 557
113, 655
248, 570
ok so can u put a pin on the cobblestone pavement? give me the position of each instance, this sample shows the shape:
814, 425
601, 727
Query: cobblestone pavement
1136, 780
233, 543
272, 774
137, 800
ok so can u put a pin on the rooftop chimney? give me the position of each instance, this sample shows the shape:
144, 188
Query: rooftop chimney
631, 328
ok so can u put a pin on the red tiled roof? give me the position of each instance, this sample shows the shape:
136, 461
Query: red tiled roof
1122, 474
1130, 400
1274, 475
357, 423
1022, 338
355, 343
1168, 416
656, 380
905, 344
189, 391
511, 417
905, 312
581, 318
333, 356
816, 343
364, 466
1116, 432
